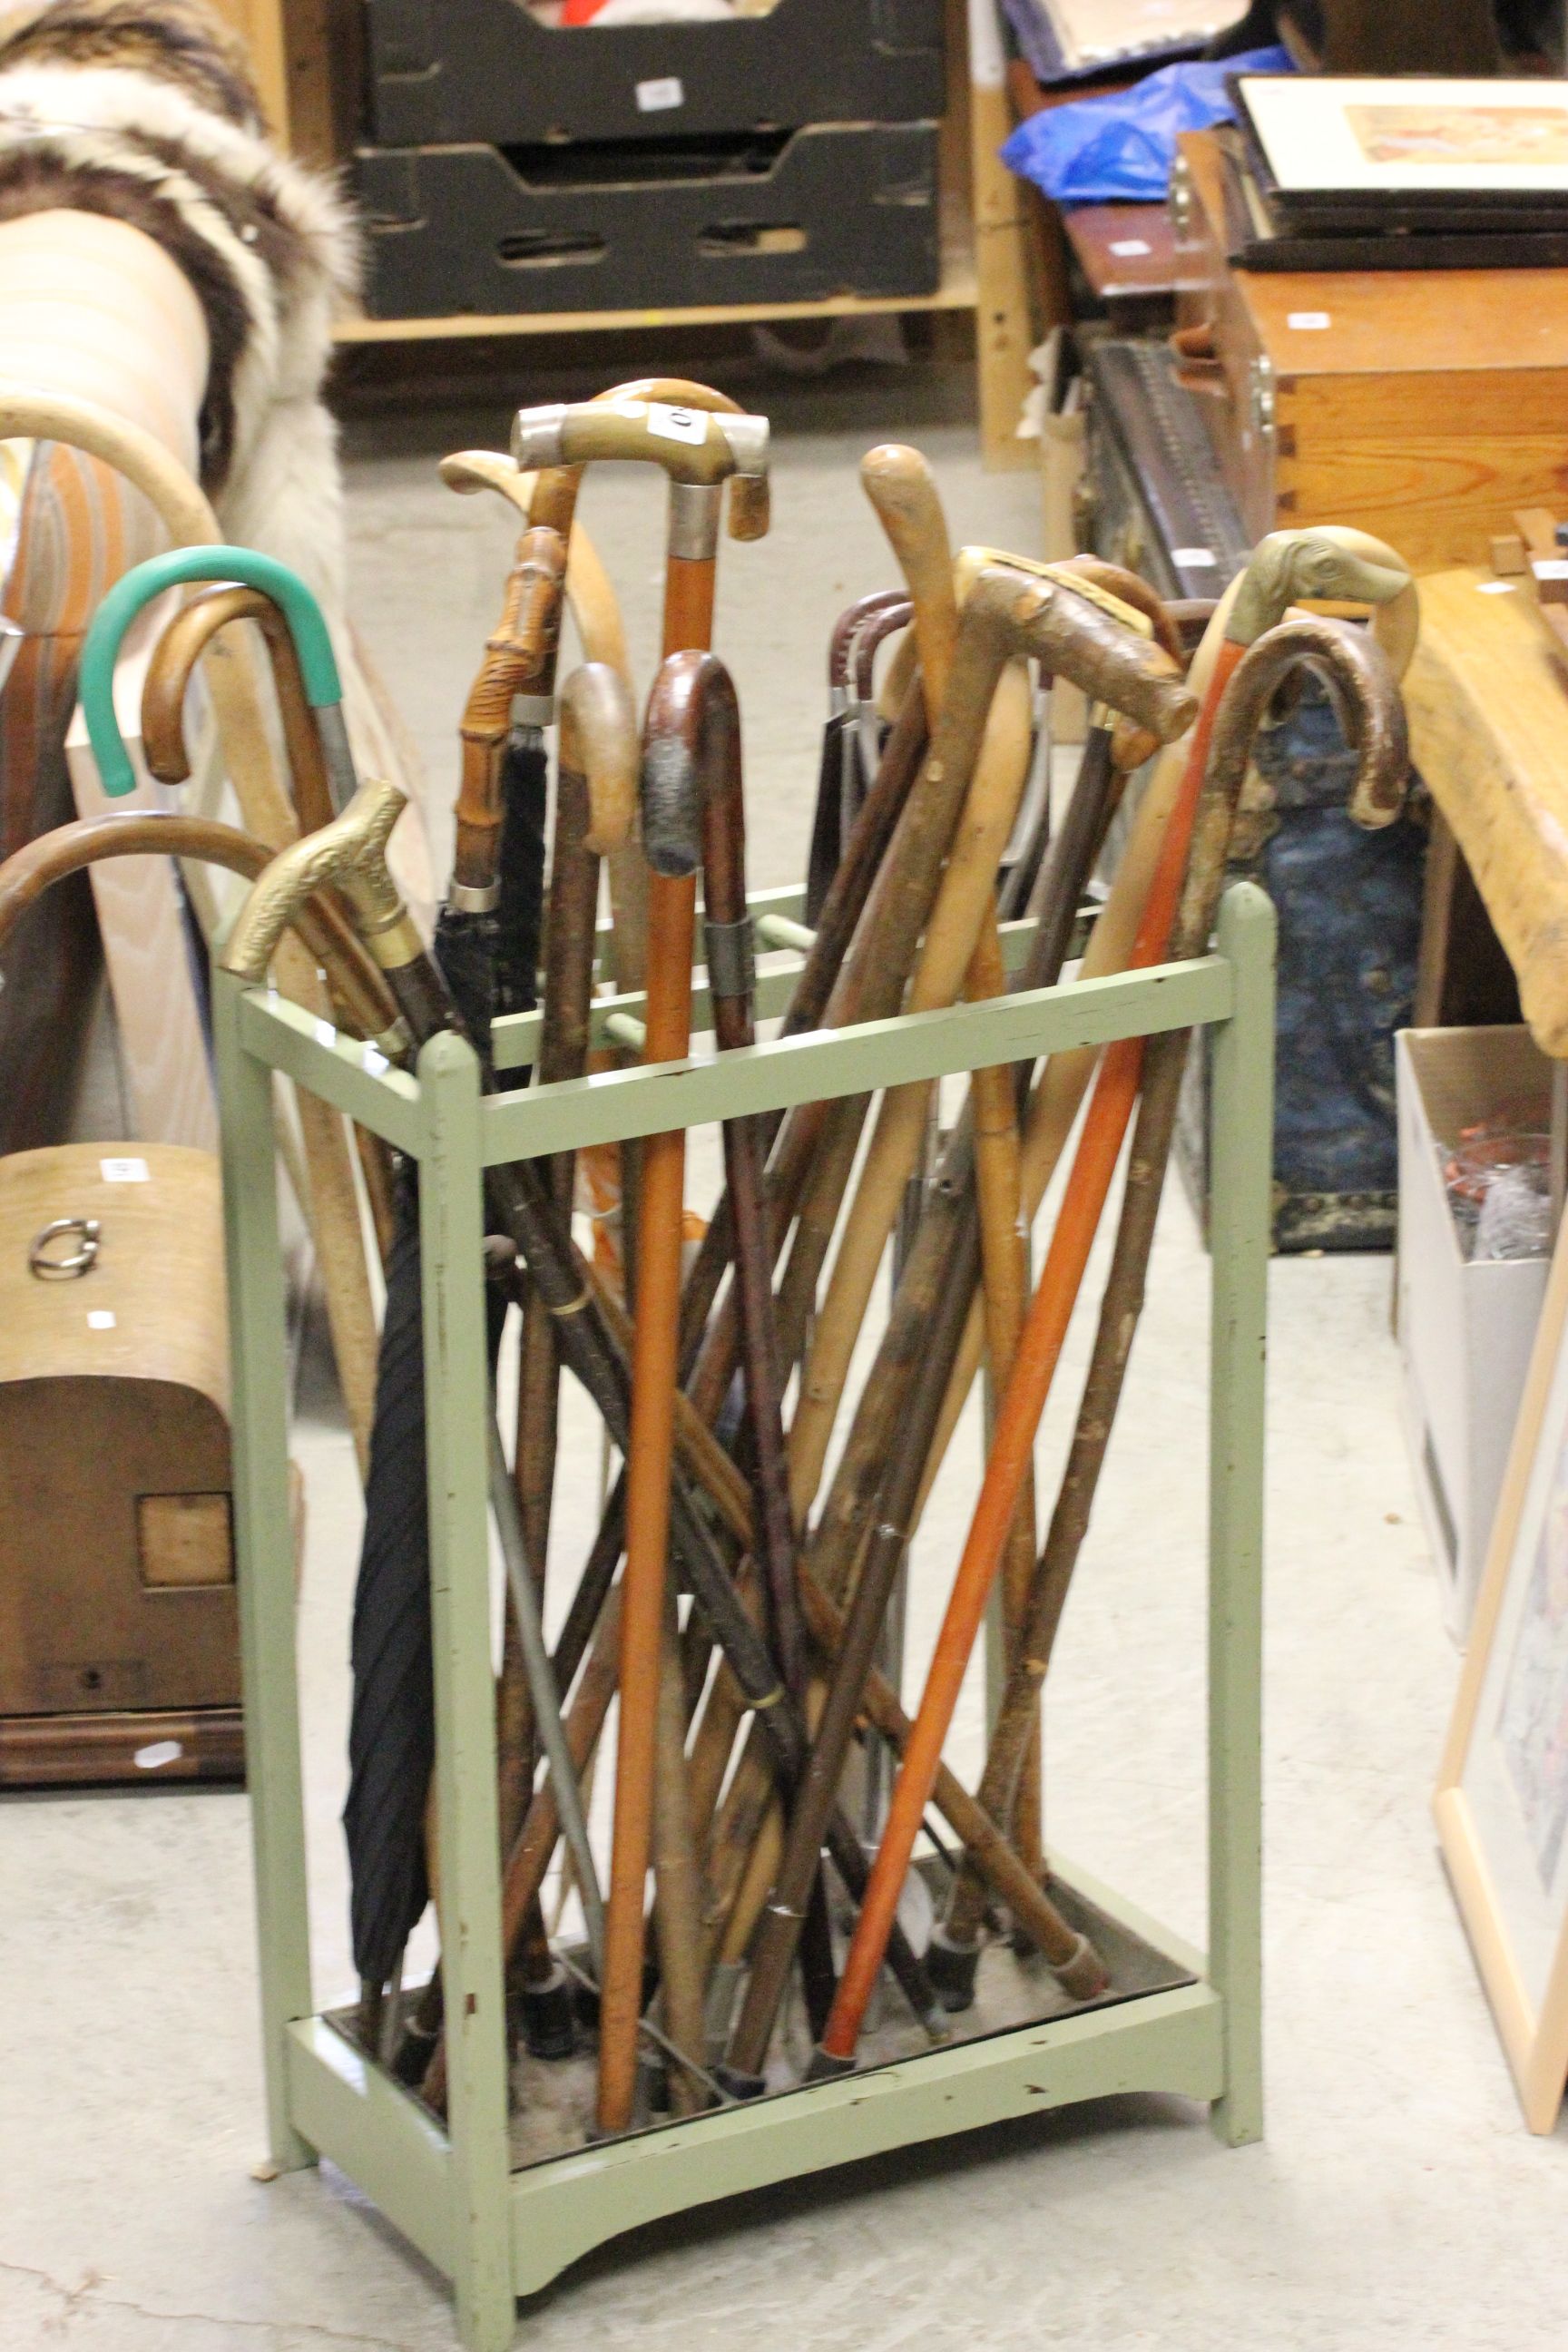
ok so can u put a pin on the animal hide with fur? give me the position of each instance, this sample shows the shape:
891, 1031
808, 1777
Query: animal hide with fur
148, 113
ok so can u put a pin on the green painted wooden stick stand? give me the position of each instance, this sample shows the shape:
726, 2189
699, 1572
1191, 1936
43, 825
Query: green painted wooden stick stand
497, 2233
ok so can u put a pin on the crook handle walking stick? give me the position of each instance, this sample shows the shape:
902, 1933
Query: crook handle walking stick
178, 567
182, 646
154, 833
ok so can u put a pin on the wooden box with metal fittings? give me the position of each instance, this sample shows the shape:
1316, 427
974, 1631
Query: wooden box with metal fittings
118, 1631
1424, 406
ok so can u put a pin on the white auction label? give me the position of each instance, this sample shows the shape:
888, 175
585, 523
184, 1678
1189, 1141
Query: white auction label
1308, 320
687, 425
157, 1753
325, 1033
658, 97
1194, 559
100, 1319
125, 1172
1126, 248
1550, 567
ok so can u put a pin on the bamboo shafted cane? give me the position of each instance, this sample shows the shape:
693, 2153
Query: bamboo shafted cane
1272, 579
1363, 679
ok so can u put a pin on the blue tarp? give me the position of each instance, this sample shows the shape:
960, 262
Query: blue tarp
1121, 147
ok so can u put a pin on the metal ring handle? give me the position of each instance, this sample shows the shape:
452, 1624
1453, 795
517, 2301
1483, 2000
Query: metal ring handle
65, 1269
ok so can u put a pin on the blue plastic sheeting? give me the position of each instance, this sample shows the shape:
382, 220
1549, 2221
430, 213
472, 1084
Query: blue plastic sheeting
1121, 147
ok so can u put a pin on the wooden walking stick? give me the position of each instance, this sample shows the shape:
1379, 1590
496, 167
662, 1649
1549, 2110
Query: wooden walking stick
688, 712
1278, 577
1361, 680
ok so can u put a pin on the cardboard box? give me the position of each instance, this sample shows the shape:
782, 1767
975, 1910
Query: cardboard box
1465, 1329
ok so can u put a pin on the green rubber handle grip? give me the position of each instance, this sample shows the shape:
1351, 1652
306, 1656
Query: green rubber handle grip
96, 679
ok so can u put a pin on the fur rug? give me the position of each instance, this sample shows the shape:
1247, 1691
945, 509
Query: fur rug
149, 113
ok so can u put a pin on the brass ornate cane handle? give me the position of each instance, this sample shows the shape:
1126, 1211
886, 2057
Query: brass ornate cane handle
350, 851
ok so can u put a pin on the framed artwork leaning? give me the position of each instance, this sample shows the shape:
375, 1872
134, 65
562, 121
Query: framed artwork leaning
1501, 1802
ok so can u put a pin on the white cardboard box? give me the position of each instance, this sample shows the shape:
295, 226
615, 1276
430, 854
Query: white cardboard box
1465, 1330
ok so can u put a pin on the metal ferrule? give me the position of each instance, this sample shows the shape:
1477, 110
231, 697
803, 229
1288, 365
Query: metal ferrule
837, 699
536, 436
748, 440
332, 734
465, 898
694, 521
533, 711
396, 1043
393, 941
731, 958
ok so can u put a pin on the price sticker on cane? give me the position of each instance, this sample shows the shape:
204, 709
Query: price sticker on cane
687, 424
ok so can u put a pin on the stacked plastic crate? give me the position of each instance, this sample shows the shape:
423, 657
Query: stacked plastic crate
520, 162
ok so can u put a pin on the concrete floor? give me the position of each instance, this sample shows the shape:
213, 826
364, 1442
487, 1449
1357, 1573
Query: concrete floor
1397, 2202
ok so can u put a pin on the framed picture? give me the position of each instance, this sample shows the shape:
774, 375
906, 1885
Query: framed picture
1349, 135
1501, 1802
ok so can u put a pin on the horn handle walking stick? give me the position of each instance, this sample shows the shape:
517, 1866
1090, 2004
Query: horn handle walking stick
1273, 583
1363, 678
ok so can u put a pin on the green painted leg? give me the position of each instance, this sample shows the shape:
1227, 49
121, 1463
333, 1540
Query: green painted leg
263, 1548
456, 1419
1241, 1164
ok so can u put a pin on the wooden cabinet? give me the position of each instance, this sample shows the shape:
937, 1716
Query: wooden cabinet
1424, 406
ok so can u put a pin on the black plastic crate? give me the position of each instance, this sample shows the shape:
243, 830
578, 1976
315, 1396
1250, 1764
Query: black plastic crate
438, 71
792, 217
